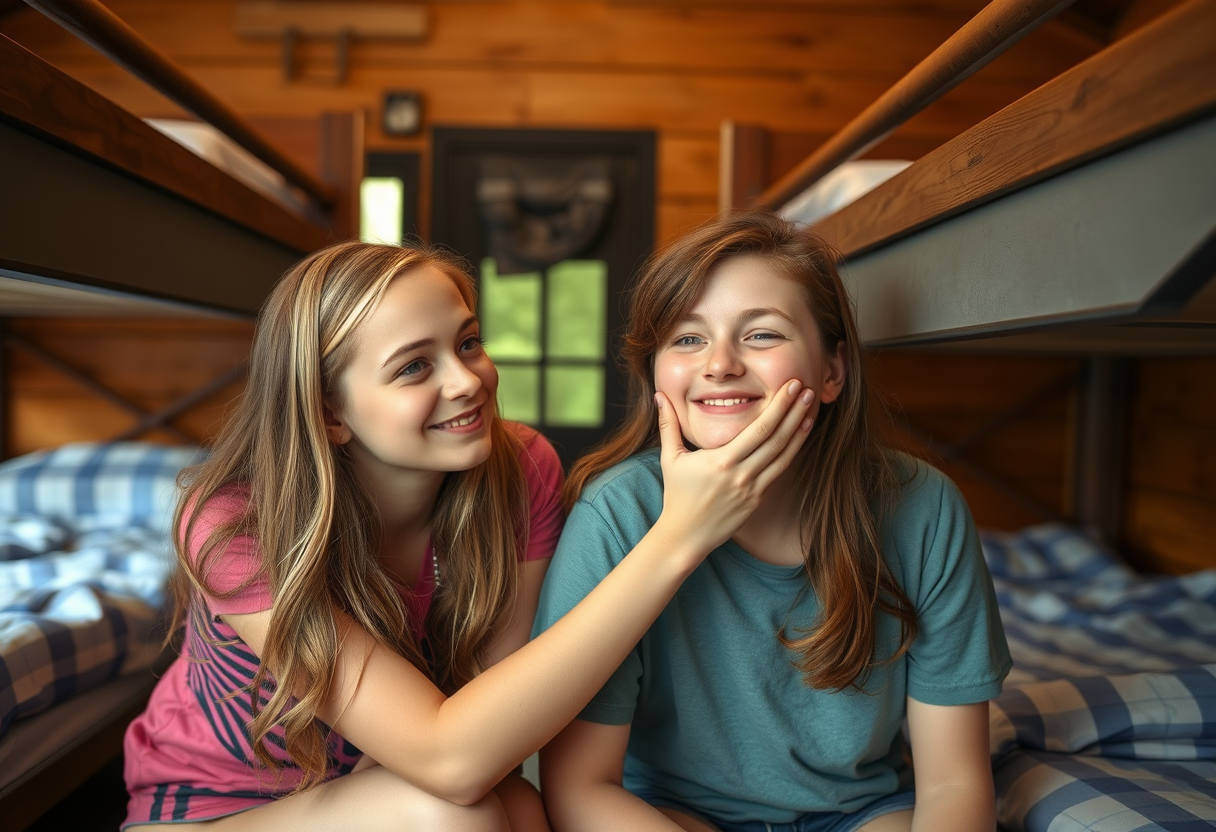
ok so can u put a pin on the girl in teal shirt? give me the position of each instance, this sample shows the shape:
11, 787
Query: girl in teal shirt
771, 692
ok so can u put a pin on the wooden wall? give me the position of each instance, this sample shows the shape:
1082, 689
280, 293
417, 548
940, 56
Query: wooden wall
1169, 484
678, 67
150, 362
1169, 518
1013, 471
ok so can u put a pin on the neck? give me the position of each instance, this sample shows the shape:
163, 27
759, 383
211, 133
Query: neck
771, 534
405, 502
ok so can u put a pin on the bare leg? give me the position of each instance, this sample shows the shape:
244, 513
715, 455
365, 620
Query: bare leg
522, 803
685, 822
374, 800
893, 822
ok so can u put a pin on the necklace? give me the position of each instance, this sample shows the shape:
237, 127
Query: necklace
435, 565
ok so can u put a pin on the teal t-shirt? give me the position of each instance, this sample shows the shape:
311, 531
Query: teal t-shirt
721, 719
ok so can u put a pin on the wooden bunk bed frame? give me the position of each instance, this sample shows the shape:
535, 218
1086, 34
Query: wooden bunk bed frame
103, 215
1079, 220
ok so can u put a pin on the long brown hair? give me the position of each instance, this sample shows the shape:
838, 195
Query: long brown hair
319, 538
844, 476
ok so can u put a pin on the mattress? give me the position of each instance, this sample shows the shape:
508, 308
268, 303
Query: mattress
210, 144
843, 185
1108, 719
85, 556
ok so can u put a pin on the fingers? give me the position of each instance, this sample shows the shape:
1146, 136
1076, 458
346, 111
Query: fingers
763, 439
785, 458
670, 435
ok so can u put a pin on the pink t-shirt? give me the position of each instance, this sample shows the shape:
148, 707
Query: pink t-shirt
188, 756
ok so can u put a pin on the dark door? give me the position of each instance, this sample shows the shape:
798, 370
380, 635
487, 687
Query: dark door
554, 222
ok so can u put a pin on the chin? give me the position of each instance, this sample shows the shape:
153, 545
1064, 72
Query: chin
716, 437
466, 459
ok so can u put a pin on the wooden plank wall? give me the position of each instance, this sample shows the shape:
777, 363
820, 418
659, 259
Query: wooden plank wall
678, 67
1170, 489
1169, 483
150, 362
948, 397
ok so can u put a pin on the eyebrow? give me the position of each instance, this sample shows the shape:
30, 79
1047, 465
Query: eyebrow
744, 316
425, 342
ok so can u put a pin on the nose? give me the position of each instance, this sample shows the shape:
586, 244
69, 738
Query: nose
723, 361
459, 380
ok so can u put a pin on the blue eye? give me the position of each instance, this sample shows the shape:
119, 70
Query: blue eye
766, 336
687, 341
472, 344
413, 368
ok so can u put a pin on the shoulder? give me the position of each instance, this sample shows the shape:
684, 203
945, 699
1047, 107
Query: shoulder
639, 475
227, 506
542, 469
225, 557
924, 491
543, 475
536, 451
928, 526
623, 502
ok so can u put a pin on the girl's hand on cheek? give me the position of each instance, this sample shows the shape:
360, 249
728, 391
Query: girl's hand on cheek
708, 494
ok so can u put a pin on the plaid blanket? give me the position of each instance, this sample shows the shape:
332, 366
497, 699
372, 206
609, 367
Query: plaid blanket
84, 558
1108, 719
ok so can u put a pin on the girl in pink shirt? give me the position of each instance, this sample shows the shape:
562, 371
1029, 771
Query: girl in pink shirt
360, 559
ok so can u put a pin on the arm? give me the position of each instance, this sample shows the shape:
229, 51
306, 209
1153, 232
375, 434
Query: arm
580, 771
457, 748
954, 788
515, 633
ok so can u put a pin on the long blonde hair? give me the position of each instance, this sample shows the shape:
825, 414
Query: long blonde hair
842, 473
319, 537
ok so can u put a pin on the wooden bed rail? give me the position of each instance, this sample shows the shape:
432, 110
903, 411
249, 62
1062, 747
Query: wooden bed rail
96, 25
998, 26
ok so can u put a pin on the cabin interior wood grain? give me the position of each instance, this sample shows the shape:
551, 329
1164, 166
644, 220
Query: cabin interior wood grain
793, 69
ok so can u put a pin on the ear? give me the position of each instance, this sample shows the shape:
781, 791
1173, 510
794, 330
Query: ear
834, 376
335, 428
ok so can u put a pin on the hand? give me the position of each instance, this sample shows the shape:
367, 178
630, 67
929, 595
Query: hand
708, 494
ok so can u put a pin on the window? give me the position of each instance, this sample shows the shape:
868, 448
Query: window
546, 333
381, 200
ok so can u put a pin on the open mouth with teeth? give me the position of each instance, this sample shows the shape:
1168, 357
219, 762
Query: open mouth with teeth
462, 421
725, 402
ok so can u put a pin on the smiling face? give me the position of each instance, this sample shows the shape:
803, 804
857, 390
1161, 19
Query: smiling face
418, 392
749, 333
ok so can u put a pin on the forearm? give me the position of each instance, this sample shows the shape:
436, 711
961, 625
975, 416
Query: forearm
955, 808
519, 704
602, 807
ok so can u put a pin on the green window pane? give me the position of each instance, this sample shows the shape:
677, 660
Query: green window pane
380, 204
519, 393
574, 396
510, 313
578, 298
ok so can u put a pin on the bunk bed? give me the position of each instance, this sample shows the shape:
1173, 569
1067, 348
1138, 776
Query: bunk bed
105, 215
1079, 220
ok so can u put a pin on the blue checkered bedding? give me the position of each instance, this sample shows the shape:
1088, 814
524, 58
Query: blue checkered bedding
84, 560
1108, 719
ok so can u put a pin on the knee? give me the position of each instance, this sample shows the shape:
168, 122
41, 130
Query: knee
392, 803
486, 815
434, 813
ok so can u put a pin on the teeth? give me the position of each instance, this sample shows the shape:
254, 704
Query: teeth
723, 402
459, 423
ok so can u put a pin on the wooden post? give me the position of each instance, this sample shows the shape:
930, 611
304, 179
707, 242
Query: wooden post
4, 391
742, 164
1100, 446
